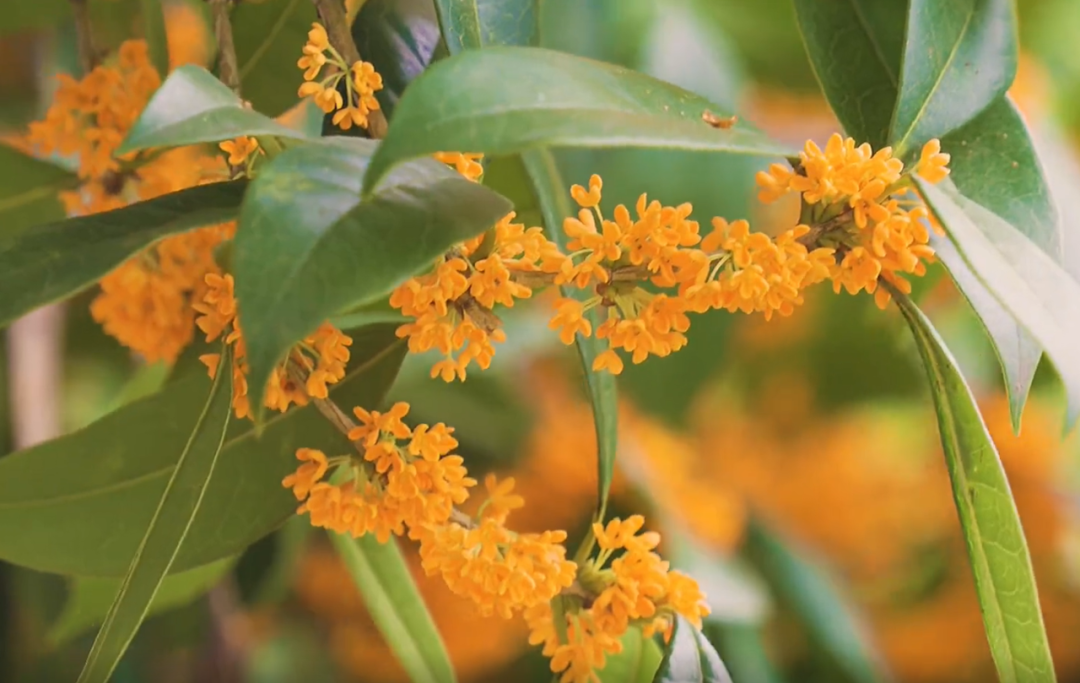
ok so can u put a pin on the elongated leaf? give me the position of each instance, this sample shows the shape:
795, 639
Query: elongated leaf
193, 106
28, 191
470, 24
603, 392
856, 49
1004, 579
168, 527
153, 19
307, 248
400, 38
827, 616
56, 260
959, 57
1028, 283
554, 99
690, 658
742, 648
636, 663
269, 37
66, 506
394, 603
90, 598
994, 164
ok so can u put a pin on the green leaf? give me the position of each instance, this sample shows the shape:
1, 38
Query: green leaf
856, 49
56, 260
89, 598
146, 381
269, 37
994, 164
172, 519
29, 191
1004, 579
636, 663
153, 19
742, 648
471, 24
603, 392
554, 99
307, 248
394, 603
19, 15
959, 56
1022, 277
193, 106
734, 592
401, 39
827, 616
66, 506
690, 658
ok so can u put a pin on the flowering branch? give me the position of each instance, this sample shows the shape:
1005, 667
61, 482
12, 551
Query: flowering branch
84, 36
228, 71
332, 15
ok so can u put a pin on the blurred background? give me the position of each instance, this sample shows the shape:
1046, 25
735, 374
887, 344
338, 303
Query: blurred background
793, 466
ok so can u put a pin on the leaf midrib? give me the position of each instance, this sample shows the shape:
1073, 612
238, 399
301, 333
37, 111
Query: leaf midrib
228, 444
857, 10
900, 146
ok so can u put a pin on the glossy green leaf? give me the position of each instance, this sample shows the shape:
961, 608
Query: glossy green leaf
994, 164
636, 663
603, 391
1021, 276
56, 260
856, 49
269, 36
89, 598
168, 527
554, 99
690, 658
153, 21
67, 506
400, 38
29, 191
826, 614
395, 605
307, 248
1004, 579
959, 56
193, 106
471, 24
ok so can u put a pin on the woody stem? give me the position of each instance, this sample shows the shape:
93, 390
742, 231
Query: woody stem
336, 23
228, 71
84, 36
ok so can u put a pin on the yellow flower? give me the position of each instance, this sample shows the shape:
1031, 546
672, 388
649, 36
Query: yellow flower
239, 149
466, 164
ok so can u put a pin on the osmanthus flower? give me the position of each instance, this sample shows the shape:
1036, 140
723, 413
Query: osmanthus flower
241, 152
466, 163
646, 272
320, 357
635, 588
361, 81
501, 571
863, 205
453, 306
403, 479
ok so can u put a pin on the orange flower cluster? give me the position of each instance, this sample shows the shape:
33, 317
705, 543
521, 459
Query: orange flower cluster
360, 85
146, 303
639, 588
452, 306
730, 268
414, 485
322, 356
503, 572
878, 232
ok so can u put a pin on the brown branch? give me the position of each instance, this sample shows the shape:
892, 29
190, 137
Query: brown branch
332, 16
228, 71
84, 36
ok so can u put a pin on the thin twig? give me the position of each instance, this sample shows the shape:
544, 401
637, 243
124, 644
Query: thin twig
84, 36
332, 15
228, 71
